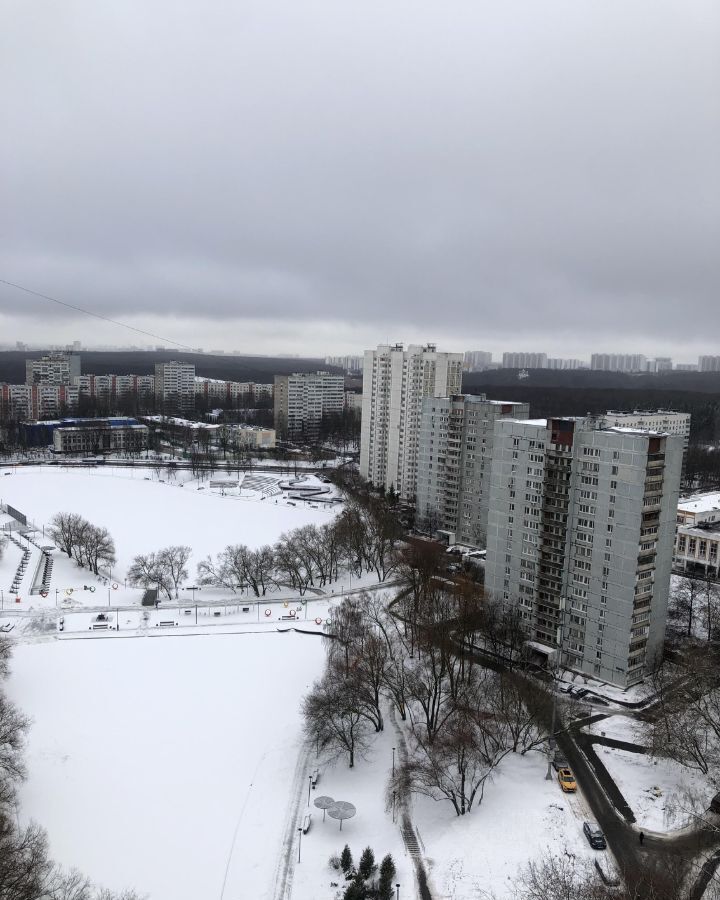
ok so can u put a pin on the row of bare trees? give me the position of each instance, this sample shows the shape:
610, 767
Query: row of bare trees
89, 545
360, 540
26, 870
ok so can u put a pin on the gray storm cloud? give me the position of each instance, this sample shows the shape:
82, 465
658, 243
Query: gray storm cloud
474, 166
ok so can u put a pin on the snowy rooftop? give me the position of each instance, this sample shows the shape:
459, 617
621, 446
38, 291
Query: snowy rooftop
701, 503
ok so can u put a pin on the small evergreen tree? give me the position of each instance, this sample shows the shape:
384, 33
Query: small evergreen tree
367, 867
387, 877
356, 890
346, 860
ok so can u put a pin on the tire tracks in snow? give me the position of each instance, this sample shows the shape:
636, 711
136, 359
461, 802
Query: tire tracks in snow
285, 870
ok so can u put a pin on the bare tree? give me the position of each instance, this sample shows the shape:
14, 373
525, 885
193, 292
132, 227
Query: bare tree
333, 721
146, 571
238, 565
173, 561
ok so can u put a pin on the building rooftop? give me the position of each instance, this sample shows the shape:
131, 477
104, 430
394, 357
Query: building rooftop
701, 503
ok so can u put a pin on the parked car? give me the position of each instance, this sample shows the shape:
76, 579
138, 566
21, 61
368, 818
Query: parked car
594, 834
559, 761
567, 780
715, 804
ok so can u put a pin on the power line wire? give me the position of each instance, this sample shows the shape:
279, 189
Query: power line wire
94, 315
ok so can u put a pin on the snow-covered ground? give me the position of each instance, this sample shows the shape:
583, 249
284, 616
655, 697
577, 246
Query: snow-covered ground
522, 817
656, 789
167, 764
144, 512
620, 728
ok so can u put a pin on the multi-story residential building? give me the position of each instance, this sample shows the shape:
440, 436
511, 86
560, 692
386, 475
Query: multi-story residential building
454, 458
709, 363
109, 388
667, 421
241, 394
100, 436
346, 363
395, 382
618, 362
686, 367
477, 360
301, 400
556, 363
697, 544
581, 530
524, 361
57, 368
175, 385
37, 401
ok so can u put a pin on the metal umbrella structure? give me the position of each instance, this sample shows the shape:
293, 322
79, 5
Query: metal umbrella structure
324, 803
342, 810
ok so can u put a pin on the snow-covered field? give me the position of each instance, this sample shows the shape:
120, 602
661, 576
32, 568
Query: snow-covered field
161, 763
656, 789
144, 514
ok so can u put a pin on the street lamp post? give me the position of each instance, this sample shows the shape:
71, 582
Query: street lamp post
394, 792
397, 892
299, 840
309, 786
393, 766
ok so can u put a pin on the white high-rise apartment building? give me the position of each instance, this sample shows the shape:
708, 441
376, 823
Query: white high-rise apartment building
709, 363
477, 360
618, 362
57, 368
455, 454
524, 361
395, 382
301, 401
581, 529
175, 385
666, 421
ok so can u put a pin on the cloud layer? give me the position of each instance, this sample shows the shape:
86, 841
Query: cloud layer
316, 175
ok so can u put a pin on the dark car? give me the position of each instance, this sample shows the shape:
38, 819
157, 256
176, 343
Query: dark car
594, 834
715, 804
559, 761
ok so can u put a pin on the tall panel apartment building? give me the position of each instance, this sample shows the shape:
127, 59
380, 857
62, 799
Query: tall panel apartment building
454, 459
302, 399
524, 361
708, 364
175, 386
57, 368
580, 534
395, 382
618, 362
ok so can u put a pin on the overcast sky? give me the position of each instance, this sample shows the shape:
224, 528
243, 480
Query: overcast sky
318, 176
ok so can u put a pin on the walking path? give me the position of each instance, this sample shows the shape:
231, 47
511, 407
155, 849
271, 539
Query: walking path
411, 837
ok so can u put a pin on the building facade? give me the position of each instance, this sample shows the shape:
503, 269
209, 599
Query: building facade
477, 360
241, 394
581, 530
697, 544
100, 436
37, 401
524, 361
108, 388
56, 368
709, 364
454, 459
618, 362
301, 400
395, 383
666, 421
175, 385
